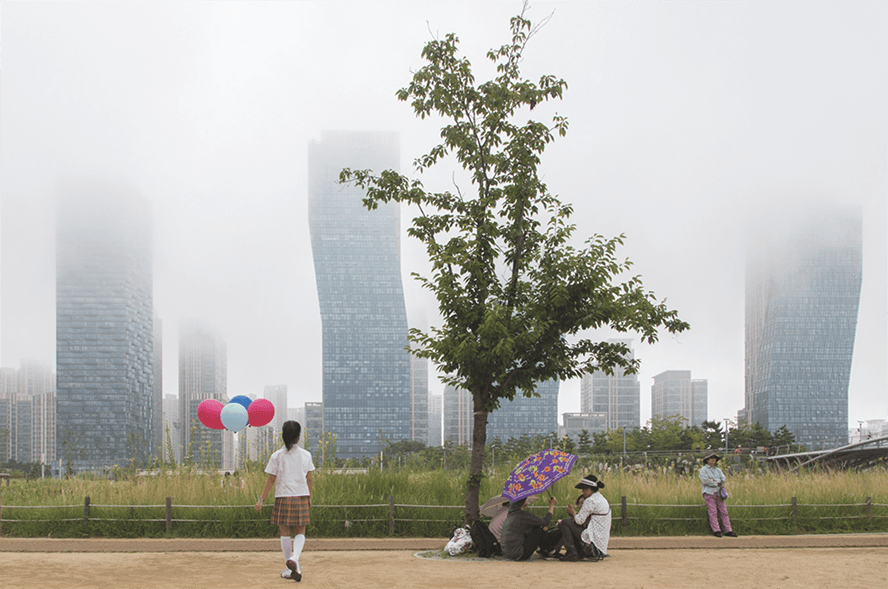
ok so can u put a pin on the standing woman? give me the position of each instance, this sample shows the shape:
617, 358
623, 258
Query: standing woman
713, 480
289, 472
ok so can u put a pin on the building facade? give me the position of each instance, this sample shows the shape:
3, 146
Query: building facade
575, 424
803, 281
157, 437
617, 395
534, 416
172, 429
458, 411
436, 410
104, 330
203, 374
313, 428
277, 395
675, 393
366, 368
419, 399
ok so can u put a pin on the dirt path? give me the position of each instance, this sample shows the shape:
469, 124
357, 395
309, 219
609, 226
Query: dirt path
846, 561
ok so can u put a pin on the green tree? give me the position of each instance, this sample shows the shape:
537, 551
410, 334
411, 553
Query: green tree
515, 296
584, 443
782, 437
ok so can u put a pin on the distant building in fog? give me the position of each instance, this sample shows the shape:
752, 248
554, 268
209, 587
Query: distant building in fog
619, 396
157, 439
172, 427
203, 374
576, 423
803, 280
313, 428
419, 399
457, 416
357, 265
277, 394
104, 330
436, 409
675, 393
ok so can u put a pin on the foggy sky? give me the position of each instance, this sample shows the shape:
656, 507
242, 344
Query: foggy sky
687, 120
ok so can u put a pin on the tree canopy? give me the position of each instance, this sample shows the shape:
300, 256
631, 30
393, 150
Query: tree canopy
516, 296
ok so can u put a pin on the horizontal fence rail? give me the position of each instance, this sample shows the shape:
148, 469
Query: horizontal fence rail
624, 513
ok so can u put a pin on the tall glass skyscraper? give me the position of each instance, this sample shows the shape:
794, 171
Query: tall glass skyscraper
803, 280
363, 314
104, 330
534, 416
675, 393
617, 395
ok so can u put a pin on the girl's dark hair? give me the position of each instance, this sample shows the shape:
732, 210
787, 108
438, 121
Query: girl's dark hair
290, 432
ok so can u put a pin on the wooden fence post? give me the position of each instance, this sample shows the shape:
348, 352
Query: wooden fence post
86, 510
391, 514
169, 513
794, 512
625, 516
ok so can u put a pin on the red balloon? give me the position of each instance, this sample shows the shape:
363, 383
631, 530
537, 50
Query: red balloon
209, 412
260, 412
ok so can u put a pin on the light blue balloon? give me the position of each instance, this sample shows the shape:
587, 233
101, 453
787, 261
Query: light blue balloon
243, 400
234, 417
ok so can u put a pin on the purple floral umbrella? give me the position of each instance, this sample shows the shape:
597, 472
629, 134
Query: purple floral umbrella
538, 472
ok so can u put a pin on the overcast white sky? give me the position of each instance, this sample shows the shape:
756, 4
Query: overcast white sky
687, 120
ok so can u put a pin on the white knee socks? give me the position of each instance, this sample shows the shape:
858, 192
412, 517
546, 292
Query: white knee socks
286, 547
298, 544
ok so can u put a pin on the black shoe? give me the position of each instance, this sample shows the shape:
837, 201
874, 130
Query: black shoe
294, 573
570, 556
717, 534
731, 534
550, 556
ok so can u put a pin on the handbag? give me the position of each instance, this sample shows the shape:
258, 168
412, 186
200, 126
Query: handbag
723, 493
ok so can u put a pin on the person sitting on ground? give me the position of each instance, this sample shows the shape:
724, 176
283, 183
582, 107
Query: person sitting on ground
554, 538
523, 531
574, 528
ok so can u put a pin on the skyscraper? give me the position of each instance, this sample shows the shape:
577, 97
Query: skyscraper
619, 395
37, 383
366, 369
803, 280
203, 374
419, 399
104, 329
458, 422
436, 409
534, 416
277, 395
675, 393
157, 437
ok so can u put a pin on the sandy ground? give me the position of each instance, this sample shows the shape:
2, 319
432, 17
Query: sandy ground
842, 561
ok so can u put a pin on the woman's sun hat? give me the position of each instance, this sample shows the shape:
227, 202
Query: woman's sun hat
590, 481
711, 455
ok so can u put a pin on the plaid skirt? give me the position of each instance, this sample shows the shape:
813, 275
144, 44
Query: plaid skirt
290, 511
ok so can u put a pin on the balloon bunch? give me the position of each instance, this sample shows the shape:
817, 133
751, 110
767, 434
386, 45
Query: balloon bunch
236, 415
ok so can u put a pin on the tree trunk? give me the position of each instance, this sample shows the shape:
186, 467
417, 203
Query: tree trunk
479, 441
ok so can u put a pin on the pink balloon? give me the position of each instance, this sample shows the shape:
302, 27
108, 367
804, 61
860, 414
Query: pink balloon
260, 412
209, 412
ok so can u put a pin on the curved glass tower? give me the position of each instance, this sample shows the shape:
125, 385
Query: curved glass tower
364, 319
803, 281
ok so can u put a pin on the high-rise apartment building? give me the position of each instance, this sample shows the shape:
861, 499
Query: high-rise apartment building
803, 280
534, 416
458, 410
619, 395
675, 393
366, 368
8, 389
436, 409
37, 385
104, 330
419, 399
203, 374
313, 428
576, 423
277, 395
172, 427
157, 437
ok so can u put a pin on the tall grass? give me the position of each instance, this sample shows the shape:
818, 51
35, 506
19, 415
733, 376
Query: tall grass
660, 502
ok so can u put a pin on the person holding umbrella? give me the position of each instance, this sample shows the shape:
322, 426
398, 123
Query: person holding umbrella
714, 496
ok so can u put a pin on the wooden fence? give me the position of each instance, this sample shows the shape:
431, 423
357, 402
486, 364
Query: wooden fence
622, 519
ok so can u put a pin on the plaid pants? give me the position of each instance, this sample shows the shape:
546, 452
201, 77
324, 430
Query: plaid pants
716, 507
